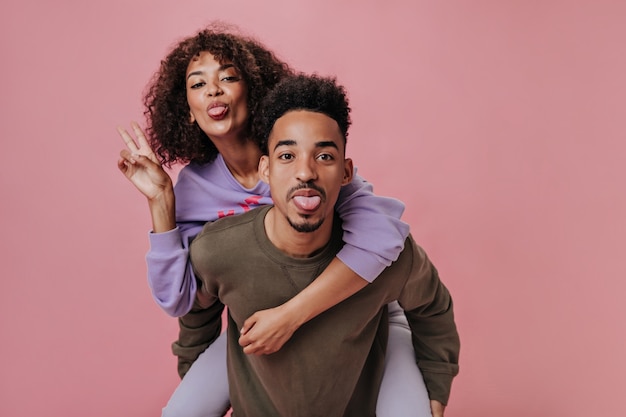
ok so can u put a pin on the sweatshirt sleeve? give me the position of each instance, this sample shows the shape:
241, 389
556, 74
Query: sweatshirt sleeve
428, 307
197, 330
373, 233
170, 275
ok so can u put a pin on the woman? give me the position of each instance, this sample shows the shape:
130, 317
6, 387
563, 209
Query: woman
199, 107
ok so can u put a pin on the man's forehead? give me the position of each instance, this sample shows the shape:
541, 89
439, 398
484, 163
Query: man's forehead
299, 127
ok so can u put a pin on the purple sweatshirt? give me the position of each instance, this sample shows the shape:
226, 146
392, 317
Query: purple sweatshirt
373, 234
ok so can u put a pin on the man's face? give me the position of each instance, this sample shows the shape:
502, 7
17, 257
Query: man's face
305, 168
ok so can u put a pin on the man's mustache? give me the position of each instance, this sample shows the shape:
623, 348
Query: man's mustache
307, 186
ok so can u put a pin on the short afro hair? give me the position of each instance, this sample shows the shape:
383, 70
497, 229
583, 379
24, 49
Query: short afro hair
302, 92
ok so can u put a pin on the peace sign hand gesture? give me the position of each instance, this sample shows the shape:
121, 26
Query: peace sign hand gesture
140, 165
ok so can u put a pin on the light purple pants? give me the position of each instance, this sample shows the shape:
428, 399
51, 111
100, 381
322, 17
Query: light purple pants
203, 392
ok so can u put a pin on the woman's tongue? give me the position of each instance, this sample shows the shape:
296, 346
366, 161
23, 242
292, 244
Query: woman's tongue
217, 111
307, 203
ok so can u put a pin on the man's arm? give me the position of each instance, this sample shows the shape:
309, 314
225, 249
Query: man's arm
429, 310
197, 330
436, 408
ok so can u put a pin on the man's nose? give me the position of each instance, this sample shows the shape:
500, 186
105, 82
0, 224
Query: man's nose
306, 170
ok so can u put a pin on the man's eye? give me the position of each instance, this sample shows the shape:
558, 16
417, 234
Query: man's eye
326, 157
285, 156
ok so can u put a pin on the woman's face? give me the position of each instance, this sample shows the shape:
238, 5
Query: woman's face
217, 97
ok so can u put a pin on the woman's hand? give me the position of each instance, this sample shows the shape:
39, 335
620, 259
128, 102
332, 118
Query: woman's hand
266, 331
140, 165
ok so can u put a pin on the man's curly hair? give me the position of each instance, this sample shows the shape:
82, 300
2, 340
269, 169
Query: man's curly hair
172, 137
302, 92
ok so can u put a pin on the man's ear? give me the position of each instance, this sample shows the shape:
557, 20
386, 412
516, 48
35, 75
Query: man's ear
264, 169
348, 168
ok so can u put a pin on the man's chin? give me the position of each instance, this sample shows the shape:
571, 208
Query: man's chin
305, 227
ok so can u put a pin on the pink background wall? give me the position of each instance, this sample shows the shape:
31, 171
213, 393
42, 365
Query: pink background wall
501, 124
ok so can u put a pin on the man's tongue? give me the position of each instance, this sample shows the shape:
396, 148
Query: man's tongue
307, 203
217, 111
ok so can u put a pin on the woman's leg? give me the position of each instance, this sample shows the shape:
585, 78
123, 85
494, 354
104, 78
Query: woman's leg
402, 392
203, 392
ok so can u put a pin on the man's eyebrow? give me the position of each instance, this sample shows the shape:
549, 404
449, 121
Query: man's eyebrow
326, 144
321, 144
221, 68
285, 142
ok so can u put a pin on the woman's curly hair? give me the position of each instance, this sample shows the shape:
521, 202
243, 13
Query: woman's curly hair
302, 92
170, 133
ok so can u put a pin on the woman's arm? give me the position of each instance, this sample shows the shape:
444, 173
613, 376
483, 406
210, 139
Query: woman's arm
374, 236
169, 276
267, 331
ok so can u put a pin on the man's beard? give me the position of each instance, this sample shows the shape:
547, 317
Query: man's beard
305, 227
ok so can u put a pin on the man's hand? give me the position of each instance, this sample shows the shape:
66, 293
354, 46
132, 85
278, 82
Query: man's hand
266, 331
437, 408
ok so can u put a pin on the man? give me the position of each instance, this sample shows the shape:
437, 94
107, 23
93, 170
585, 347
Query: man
332, 365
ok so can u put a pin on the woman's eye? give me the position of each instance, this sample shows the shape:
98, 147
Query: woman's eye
198, 85
230, 78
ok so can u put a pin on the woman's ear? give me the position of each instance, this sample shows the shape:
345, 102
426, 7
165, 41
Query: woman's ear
191, 118
348, 171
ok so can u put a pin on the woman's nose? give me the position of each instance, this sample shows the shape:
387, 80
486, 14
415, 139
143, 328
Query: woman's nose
214, 90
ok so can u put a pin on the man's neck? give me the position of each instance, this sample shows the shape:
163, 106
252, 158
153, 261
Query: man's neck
293, 243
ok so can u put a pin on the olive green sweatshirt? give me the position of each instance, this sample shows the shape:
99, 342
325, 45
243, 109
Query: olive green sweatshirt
333, 364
